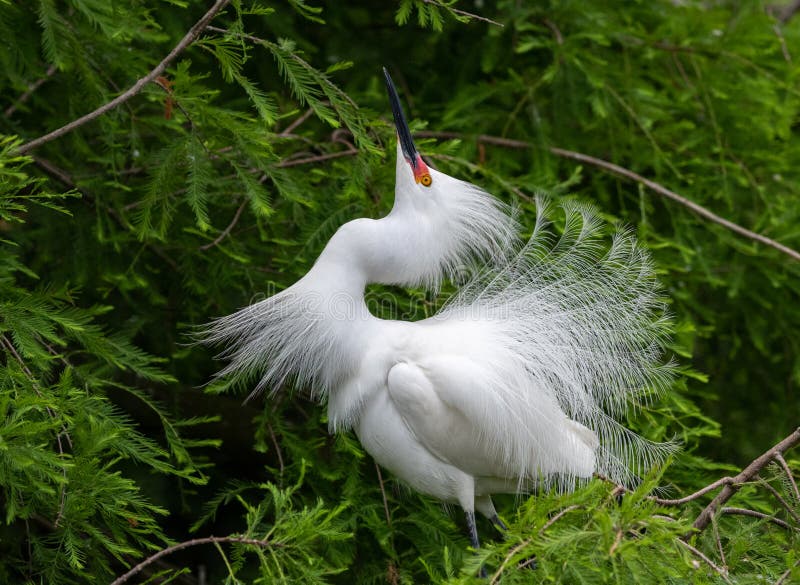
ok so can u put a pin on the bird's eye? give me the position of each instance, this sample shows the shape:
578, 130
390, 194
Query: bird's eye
426, 180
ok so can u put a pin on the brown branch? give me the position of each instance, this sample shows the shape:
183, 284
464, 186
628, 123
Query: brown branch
677, 502
616, 543
514, 550
558, 517
780, 498
746, 475
194, 542
225, 233
663, 191
383, 495
757, 514
782, 462
788, 572
315, 159
29, 92
277, 447
789, 11
628, 174
137, 87
722, 573
300, 119
464, 13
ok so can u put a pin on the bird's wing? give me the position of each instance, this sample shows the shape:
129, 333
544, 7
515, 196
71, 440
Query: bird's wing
480, 423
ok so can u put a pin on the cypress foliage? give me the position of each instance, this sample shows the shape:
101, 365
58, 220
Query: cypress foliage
220, 177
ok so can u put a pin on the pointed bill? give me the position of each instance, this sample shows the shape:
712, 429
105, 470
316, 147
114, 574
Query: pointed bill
403, 131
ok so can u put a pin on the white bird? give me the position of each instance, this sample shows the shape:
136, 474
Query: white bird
517, 382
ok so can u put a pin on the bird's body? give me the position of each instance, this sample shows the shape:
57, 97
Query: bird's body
516, 382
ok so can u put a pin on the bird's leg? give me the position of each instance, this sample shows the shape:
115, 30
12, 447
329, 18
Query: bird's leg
485, 506
473, 537
473, 530
499, 524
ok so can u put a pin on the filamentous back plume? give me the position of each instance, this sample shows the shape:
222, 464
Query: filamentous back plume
520, 380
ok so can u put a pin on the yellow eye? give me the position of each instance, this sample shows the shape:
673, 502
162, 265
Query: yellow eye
426, 180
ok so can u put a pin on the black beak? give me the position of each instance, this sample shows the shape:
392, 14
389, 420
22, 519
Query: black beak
403, 131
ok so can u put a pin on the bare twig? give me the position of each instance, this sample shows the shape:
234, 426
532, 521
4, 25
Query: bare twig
315, 159
788, 572
616, 543
300, 119
789, 11
29, 92
557, 517
691, 205
194, 542
225, 233
137, 87
701, 492
721, 550
277, 447
628, 174
514, 550
722, 573
464, 13
780, 498
383, 495
782, 462
747, 474
756, 514
554, 29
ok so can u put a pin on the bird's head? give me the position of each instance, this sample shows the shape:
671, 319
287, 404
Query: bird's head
439, 224
414, 168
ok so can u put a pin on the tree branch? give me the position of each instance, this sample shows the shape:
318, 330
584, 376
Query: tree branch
464, 13
315, 159
29, 92
708, 561
194, 542
747, 474
187, 40
225, 233
628, 174
757, 514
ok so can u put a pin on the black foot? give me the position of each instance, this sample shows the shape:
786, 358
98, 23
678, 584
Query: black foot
501, 526
473, 538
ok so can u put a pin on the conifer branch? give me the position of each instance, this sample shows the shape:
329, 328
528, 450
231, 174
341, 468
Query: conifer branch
189, 543
464, 13
781, 499
757, 514
747, 474
63, 490
628, 174
315, 159
782, 462
722, 573
137, 87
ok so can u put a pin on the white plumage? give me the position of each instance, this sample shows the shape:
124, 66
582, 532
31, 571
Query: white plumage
518, 381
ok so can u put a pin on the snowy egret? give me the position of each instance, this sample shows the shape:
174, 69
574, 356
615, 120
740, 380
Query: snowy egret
517, 382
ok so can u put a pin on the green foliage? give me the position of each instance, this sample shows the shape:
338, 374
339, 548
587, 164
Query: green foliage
224, 180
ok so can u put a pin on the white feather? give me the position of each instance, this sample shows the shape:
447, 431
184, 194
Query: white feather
521, 378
